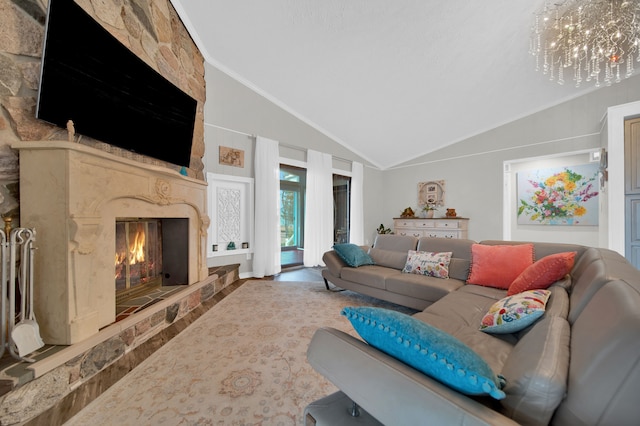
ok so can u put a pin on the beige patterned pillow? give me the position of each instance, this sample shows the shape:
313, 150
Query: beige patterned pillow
433, 264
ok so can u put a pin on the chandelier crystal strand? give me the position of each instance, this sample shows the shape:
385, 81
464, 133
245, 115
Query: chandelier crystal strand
595, 37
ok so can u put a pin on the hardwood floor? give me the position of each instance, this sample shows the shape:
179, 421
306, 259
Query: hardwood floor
300, 273
289, 258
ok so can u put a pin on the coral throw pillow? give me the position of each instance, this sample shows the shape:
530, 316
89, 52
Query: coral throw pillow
497, 266
543, 273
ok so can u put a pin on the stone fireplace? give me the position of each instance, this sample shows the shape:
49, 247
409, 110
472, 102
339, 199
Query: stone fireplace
73, 196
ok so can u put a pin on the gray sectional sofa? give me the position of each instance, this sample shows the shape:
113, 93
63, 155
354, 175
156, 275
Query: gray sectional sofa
579, 364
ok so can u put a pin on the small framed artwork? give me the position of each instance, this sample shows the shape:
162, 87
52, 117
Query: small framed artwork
431, 193
231, 156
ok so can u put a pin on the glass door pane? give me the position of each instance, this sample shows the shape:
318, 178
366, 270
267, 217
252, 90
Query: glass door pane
292, 193
341, 209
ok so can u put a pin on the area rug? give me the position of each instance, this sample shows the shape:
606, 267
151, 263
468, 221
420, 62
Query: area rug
241, 363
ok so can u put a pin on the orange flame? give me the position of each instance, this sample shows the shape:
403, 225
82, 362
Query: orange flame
136, 249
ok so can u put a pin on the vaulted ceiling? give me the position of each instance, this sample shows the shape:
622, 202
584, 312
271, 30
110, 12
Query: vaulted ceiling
390, 80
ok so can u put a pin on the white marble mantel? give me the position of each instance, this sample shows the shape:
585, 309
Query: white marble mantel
72, 194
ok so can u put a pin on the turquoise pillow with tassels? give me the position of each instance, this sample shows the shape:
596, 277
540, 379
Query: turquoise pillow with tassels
427, 349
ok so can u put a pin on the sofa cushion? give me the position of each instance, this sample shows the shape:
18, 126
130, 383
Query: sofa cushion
353, 255
460, 257
459, 314
420, 286
433, 264
425, 348
498, 265
371, 275
543, 272
516, 312
537, 372
389, 258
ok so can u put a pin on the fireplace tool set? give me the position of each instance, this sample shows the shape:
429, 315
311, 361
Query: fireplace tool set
20, 331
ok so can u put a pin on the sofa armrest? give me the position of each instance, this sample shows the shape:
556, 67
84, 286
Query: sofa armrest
333, 262
390, 390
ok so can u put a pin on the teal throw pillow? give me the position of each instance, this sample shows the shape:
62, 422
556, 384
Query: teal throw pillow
353, 255
427, 349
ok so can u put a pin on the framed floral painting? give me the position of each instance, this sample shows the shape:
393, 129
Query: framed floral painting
558, 196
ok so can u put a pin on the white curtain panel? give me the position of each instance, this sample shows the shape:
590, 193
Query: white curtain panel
318, 223
356, 213
266, 258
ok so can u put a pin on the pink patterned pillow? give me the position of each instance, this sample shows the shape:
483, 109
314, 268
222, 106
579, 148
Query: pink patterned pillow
433, 264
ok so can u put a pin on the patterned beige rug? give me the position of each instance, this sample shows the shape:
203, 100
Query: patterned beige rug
241, 363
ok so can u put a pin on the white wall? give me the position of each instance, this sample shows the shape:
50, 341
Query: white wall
472, 168
586, 235
233, 113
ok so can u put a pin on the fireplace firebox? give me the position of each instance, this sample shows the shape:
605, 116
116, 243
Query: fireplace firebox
150, 253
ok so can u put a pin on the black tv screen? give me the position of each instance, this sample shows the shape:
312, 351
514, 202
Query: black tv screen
108, 92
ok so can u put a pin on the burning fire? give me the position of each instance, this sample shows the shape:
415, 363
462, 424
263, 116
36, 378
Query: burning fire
134, 255
138, 253
136, 250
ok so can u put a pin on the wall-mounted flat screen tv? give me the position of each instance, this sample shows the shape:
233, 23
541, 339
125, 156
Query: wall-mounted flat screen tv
108, 92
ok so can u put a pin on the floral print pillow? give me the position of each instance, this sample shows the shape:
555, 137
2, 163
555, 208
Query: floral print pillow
514, 313
433, 264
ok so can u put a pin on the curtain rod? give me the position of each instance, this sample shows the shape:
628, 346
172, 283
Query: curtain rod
280, 143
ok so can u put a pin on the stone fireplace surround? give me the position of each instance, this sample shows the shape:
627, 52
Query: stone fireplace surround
72, 194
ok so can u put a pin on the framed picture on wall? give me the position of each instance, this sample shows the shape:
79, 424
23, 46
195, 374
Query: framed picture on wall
558, 196
431, 193
231, 156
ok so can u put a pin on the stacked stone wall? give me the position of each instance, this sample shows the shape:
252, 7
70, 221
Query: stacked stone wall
150, 28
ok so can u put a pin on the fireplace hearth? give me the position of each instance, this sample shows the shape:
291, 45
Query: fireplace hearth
73, 195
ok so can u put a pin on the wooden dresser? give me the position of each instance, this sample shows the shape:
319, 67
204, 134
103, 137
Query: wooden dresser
455, 227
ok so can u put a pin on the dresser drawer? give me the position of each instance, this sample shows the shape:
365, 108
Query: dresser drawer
442, 234
434, 228
448, 224
409, 231
414, 224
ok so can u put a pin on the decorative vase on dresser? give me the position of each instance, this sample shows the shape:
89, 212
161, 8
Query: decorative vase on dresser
436, 228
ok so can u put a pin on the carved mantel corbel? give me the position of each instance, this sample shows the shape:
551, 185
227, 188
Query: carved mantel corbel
84, 233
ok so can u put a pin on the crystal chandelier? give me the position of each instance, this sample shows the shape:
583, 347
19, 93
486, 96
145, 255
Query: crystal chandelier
595, 40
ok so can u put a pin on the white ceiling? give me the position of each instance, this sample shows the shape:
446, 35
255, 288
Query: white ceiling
390, 80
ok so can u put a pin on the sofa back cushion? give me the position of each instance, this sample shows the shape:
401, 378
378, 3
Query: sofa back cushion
392, 250
460, 253
592, 270
541, 250
536, 372
604, 375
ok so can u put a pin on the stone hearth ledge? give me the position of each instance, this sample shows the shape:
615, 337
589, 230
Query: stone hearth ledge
67, 381
40, 368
